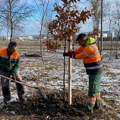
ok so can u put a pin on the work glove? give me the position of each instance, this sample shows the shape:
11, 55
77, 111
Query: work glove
65, 54
70, 53
14, 78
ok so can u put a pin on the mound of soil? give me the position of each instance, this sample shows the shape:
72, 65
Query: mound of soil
35, 108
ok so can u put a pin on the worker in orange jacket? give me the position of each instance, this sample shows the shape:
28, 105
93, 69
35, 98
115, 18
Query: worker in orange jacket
9, 65
92, 62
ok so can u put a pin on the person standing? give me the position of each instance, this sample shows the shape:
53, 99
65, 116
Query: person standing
88, 51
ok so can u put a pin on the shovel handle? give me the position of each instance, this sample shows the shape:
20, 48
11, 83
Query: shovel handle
35, 87
15, 81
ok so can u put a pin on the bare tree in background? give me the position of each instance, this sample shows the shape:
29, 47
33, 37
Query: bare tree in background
42, 7
116, 24
46, 23
12, 14
95, 6
110, 20
96, 15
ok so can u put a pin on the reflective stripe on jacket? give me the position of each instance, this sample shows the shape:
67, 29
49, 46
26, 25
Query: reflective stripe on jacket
91, 100
91, 58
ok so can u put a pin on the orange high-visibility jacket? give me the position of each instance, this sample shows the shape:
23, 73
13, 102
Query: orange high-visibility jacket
9, 63
91, 58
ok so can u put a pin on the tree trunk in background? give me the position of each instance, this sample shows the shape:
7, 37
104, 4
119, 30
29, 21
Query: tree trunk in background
47, 39
111, 48
101, 36
96, 27
11, 23
116, 54
11, 33
40, 40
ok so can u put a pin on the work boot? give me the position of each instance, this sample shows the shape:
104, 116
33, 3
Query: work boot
98, 105
6, 101
21, 98
86, 110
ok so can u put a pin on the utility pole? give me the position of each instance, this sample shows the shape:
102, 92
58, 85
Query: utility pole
101, 36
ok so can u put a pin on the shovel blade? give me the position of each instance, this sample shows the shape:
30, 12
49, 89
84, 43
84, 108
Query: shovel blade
42, 94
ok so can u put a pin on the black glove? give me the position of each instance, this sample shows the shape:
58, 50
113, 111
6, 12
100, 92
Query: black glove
71, 53
65, 54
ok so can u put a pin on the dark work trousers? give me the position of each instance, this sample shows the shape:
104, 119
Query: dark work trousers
6, 88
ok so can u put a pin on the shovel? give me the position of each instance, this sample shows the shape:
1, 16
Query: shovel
39, 91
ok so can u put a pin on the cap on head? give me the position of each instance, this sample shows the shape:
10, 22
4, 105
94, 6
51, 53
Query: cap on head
81, 37
12, 44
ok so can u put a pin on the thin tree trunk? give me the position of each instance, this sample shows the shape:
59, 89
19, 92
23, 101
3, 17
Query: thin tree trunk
101, 47
7, 33
11, 23
42, 28
64, 90
116, 56
11, 34
111, 40
96, 27
73, 45
111, 49
40, 39
41, 55
47, 39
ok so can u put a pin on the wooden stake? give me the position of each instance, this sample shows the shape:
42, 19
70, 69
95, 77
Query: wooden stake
70, 73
